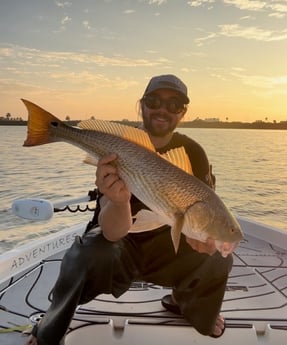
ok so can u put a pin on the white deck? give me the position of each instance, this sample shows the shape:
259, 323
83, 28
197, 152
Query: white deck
255, 304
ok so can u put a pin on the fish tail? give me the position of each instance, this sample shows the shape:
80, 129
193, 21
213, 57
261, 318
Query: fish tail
39, 125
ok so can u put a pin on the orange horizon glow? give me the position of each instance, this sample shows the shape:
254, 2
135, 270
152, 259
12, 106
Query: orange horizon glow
83, 59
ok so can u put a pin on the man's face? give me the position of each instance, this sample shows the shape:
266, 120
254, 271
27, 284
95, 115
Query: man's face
161, 111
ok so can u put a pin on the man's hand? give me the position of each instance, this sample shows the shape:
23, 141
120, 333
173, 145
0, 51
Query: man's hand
115, 216
207, 247
109, 182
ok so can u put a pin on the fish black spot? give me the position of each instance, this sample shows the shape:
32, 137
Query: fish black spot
54, 124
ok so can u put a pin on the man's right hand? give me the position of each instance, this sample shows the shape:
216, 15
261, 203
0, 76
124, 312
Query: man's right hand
109, 182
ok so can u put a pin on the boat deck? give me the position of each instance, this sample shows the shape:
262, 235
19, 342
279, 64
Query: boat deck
254, 307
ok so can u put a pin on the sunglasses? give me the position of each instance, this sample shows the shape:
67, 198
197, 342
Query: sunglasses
173, 105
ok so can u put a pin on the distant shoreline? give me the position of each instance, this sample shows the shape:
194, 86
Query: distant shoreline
185, 124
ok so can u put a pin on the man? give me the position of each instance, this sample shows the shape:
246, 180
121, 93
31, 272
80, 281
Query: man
110, 260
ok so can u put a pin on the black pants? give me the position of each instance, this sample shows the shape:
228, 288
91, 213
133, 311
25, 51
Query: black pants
94, 265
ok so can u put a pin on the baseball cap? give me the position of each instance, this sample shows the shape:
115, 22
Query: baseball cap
167, 81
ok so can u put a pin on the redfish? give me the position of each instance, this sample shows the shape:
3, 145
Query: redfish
164, 183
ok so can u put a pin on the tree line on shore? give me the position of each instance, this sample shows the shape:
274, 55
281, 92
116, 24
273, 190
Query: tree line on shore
8, 120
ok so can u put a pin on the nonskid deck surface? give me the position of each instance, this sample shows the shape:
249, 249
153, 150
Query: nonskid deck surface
255, 305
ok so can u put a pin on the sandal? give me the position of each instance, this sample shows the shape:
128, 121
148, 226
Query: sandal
168, 303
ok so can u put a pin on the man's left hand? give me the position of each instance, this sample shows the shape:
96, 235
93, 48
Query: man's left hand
207, 247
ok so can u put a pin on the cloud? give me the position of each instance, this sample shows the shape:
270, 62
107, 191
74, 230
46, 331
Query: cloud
199, 54
268, 84
63, 4
275, 8
17, 55
6, 52
247, 18
201, 40
252, 32
103, 32
198, 3
245, 32
66, 20
150, 51
87, 25
65, 73
157, 2
263, 85
278, 8
92, 80
218, 76
129, 11
247, 4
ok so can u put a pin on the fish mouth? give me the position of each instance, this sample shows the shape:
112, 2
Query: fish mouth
226, 248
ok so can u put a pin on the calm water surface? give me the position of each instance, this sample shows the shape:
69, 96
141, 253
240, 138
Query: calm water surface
250, 167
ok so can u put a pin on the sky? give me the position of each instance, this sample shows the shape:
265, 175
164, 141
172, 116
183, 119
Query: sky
83, 58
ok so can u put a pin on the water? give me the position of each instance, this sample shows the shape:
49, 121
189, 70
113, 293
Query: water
250, 167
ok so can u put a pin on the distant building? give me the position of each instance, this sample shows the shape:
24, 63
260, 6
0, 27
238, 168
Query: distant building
2, 118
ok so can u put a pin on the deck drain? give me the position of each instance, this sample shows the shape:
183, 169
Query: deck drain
35, 318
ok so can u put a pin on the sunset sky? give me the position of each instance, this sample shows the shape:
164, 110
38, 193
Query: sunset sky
86, 58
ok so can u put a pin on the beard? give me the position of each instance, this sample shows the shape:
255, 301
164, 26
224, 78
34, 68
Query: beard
168, 124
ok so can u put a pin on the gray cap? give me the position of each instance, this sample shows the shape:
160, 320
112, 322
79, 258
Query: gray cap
167, 81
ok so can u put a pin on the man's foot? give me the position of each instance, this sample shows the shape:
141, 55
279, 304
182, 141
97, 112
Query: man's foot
169, 303
32, 340
219, 327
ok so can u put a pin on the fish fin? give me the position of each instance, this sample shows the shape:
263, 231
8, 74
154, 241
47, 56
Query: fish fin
179, 158
39, 123
91, 160
146, 220
129, 133
176, 230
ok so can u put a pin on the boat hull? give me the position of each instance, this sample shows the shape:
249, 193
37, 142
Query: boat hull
254, 307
